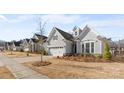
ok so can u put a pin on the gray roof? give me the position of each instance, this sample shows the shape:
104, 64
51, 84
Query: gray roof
27, 39
39, 36
34, 40
17, 43
65, 34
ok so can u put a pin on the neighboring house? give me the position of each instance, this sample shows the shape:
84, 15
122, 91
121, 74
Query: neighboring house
2, 45
25, 45
15, 46
7, 45
36, 43
113, 47
82, 41
121, 47
33, 45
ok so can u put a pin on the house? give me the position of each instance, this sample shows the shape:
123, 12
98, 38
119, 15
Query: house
120, 49
88, 41
59, 42
2, 45
82, 41
36, 43
25, 45
7, 45
33, 45
15, 45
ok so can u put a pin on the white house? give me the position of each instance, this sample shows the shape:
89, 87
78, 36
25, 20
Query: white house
88, 41
59, 42
25, 45
35, 43
82, 41
15, 45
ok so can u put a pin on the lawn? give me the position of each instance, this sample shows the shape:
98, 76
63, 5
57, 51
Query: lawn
65, 69
5, 73
16, 54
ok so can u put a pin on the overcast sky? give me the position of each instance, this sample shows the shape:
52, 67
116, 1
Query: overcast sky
15, 27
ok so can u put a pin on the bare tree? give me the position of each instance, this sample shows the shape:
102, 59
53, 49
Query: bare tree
42, 31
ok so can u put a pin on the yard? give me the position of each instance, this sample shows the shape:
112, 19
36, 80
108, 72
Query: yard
66, 69
16, 54
5, 73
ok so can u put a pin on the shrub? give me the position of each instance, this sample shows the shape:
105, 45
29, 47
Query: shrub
99, 56
106, 52
82, 55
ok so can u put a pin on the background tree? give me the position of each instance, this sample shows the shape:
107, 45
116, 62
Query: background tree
106, 52
11, 47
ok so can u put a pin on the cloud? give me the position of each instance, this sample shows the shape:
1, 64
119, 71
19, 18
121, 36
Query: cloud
20, 18
3, 18
62, 19
117, 21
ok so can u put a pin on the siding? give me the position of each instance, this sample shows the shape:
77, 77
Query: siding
92, 37
57, 43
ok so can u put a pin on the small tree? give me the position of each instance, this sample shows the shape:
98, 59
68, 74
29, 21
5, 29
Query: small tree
42, 31
106, 52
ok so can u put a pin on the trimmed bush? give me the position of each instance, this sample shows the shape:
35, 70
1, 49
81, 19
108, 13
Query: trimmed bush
106, 52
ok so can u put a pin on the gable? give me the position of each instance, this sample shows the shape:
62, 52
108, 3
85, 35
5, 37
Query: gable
56, 39
35, 37
30, 41
90, 36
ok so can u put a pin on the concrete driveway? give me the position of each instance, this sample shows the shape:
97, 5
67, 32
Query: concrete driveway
18, 70
1, 64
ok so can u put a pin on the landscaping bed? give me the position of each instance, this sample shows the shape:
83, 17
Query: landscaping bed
84, 59
38, 64
66, 69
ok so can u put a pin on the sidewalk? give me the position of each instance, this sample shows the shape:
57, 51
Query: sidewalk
20, 71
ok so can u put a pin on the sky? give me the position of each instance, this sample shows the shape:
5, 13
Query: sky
20, 26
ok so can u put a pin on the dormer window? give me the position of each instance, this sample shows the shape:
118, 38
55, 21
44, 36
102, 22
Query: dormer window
55, 37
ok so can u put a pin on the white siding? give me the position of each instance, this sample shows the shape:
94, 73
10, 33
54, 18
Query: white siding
92, 37
68, 47
60, 46
57, 43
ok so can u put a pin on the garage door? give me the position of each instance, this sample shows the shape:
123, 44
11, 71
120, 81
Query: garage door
57, 51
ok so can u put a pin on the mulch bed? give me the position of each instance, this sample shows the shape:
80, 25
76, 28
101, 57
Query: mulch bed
44, 63
84, 59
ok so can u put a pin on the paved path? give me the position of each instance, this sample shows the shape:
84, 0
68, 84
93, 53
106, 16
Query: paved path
20, 71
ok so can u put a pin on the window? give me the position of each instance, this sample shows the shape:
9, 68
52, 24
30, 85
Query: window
75, 33
87, 47
55, 38
92, 47
82, 48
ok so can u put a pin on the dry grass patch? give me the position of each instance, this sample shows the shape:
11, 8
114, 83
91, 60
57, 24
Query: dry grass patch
5, 73
38, 64
16, 54
63, 69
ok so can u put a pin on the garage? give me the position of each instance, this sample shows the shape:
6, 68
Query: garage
56, 51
